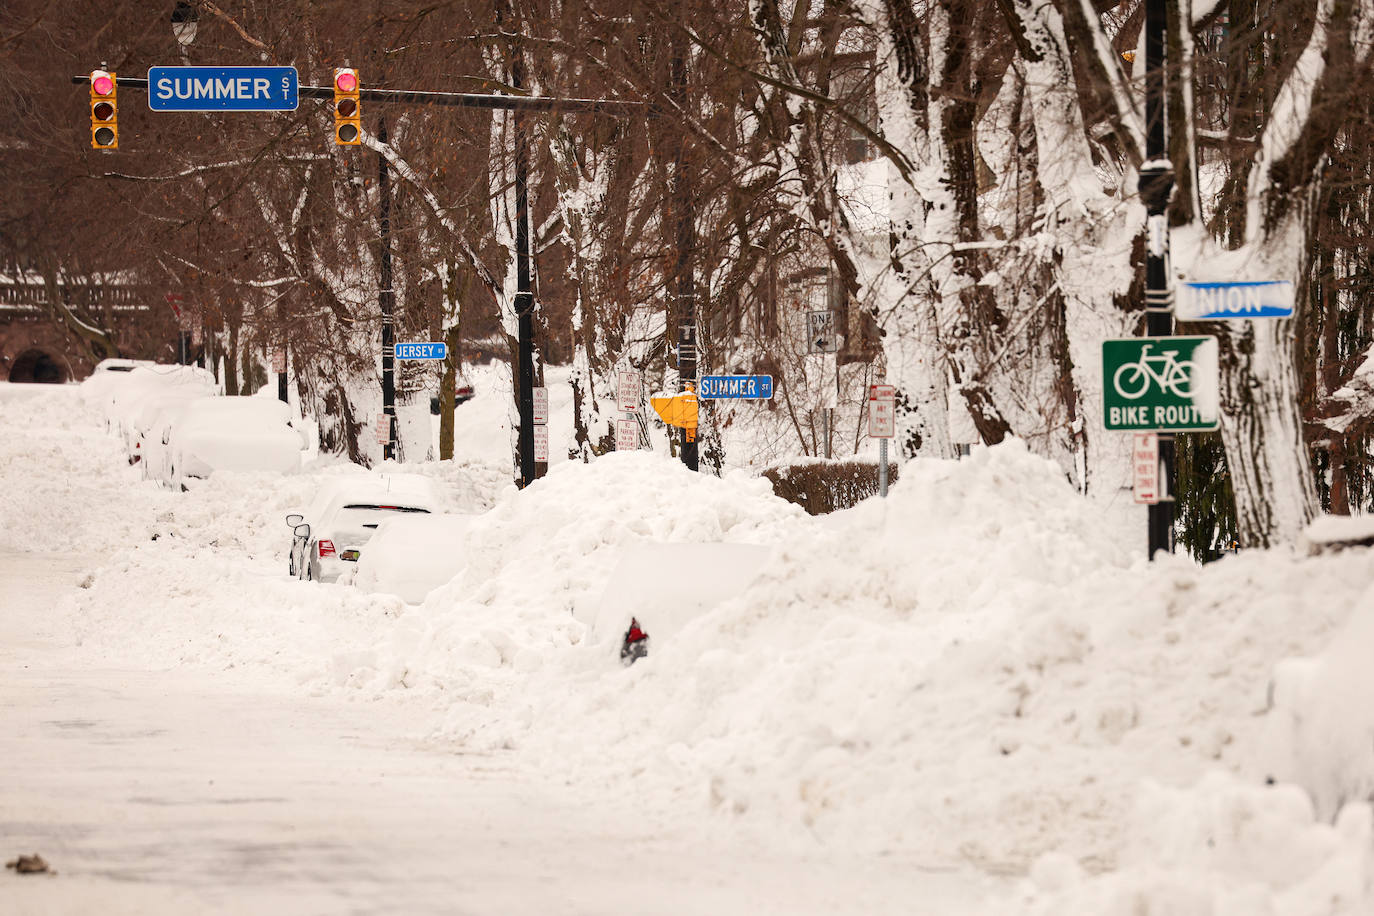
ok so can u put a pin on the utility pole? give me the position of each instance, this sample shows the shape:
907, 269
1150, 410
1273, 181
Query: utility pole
386, 299
1156, 186
524, 293
681, 195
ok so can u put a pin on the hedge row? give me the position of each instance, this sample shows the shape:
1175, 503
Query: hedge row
824, 486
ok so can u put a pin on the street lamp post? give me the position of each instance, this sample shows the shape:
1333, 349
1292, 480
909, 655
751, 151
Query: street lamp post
386, 300
184, 24
683, 289
1156, 186
524, 293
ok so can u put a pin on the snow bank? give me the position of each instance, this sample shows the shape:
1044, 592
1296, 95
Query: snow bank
1323, 723
1221, 849
412, 555
969, 672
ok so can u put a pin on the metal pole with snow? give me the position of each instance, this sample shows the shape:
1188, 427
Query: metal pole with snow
386, 301
1156, 186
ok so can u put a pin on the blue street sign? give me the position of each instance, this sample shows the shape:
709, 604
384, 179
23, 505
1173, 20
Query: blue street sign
735, 386
1245, 299
222, 88
421, 350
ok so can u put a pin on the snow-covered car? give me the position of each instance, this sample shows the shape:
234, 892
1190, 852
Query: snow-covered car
230, 434
132, 401
327, 539
412, 554
462, 393
144, 413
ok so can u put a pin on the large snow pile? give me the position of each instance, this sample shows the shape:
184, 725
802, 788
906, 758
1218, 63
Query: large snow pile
972, 671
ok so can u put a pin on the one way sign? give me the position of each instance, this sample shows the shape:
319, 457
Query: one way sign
821, 336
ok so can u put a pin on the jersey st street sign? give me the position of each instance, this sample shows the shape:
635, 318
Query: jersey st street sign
421, 350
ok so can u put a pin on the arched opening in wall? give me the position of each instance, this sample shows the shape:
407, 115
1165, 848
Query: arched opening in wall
37, 366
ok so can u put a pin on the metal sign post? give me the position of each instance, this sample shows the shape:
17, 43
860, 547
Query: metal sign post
882, 425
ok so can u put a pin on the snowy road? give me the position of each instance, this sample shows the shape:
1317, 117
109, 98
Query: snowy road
180, 791
209, 787
1023, 723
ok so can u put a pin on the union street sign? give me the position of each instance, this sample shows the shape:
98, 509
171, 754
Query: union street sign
1242, 299
1159, 384
222, 88
735, 386
421, 350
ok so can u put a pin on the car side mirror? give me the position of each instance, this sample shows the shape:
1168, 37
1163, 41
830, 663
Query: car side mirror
301, 531
295, 519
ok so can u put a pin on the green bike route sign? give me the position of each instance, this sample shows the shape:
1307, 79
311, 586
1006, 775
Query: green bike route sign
1159, 384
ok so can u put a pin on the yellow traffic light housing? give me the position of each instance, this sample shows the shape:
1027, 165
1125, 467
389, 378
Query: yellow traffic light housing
347, 115
679, 410
104, 111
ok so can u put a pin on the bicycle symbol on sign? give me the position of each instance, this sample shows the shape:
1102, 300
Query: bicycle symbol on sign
1132, 380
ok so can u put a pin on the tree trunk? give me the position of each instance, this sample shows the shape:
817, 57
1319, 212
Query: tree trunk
1261, 425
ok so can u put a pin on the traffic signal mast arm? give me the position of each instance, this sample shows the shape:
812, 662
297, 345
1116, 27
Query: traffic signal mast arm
459, 99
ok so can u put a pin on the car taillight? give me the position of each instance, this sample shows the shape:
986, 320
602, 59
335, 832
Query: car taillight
326, 549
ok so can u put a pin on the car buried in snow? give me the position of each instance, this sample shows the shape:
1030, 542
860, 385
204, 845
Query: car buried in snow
329, 537
226, 434
411, 554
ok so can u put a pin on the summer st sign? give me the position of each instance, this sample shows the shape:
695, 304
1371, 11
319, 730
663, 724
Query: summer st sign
223, 89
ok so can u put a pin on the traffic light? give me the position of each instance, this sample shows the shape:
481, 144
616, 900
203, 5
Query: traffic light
104, 115
347, 129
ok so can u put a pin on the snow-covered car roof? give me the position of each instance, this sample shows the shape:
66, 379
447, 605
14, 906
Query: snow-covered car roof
236, 434
410, 555
410, 490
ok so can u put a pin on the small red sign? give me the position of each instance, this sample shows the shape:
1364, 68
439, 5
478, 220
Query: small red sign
1145, 467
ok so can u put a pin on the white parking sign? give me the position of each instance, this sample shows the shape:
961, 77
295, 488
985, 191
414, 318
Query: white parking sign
882, 411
